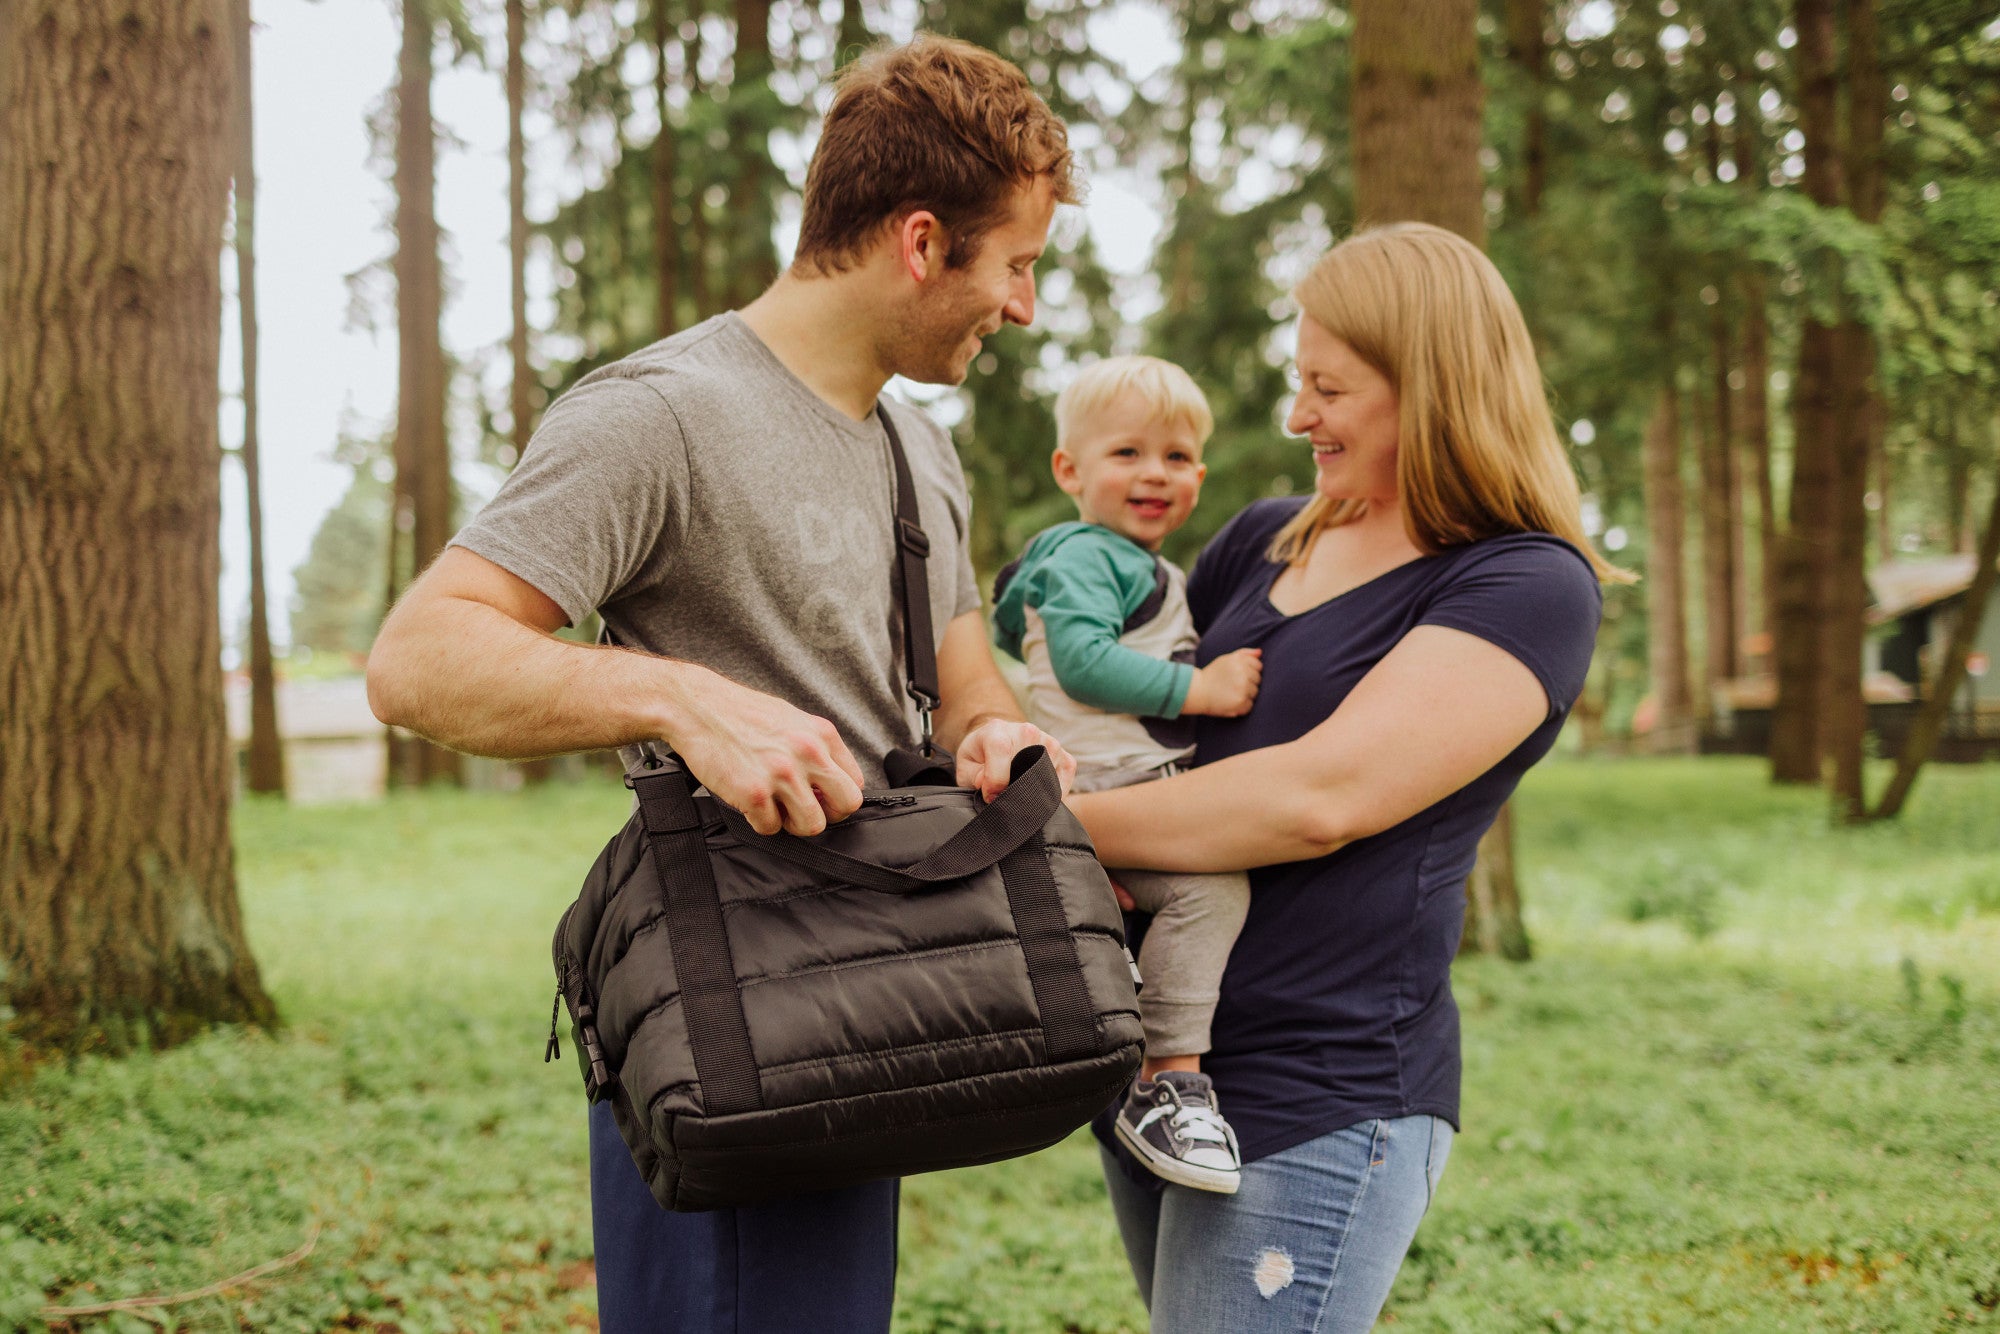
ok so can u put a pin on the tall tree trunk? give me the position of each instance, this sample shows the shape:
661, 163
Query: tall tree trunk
1797, 738
1950, 677
1958, 485
1416, 114
1721, 500
524, 388
119, 921
1881, 471
619, 251
1526, 49
751, 208
267, 747
1415, 117
665, 163
421, 445
1753, 412
1721, 514
1666, 585
1493, 896
1845, 709
702, 288
854, 36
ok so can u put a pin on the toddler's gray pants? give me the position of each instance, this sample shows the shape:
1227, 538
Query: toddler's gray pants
1196, 917
1195, 921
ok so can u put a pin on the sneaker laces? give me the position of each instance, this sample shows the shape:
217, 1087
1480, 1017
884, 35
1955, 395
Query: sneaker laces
1201, 1122
1190, 1120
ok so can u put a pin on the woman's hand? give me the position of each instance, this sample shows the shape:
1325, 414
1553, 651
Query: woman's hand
1227, 687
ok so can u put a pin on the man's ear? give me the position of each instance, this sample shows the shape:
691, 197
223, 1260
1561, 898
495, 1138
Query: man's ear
922, 244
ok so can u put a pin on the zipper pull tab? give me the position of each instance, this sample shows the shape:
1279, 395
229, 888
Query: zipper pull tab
1133, 964
554, 1049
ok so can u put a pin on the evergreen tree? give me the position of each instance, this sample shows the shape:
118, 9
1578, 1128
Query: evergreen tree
267, 751
119, 921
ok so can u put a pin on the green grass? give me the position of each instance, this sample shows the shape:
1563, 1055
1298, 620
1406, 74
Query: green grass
1751, 1082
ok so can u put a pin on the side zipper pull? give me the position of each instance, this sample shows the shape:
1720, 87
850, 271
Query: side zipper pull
554, 1049
1133, 964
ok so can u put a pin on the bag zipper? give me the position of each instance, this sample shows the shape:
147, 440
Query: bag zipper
596, 1074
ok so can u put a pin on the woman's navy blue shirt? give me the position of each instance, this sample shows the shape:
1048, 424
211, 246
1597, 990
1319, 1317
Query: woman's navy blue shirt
1337, 1007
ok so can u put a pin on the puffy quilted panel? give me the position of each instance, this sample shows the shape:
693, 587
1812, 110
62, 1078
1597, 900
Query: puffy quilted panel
892, 1031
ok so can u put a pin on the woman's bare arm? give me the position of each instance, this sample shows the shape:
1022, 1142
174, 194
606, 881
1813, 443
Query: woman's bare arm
1439, 710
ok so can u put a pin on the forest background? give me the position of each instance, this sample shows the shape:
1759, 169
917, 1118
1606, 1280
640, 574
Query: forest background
1758, 245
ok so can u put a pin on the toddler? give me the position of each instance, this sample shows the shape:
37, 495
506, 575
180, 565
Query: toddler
1102, 621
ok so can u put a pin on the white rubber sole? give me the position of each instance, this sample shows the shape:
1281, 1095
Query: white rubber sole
1173, 1169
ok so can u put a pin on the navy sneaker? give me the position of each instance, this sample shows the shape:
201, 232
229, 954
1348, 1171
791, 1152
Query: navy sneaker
1171, 1125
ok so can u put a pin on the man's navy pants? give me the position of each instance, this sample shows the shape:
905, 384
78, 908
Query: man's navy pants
816, 1262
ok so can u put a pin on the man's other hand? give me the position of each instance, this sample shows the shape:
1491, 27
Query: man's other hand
782, 767
986, 755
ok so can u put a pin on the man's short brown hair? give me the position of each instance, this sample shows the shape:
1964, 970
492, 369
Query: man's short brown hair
936, 124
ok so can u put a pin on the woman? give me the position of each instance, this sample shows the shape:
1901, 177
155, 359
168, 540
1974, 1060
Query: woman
1427, 618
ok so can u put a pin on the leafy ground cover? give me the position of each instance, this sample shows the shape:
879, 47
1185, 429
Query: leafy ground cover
1751, 1082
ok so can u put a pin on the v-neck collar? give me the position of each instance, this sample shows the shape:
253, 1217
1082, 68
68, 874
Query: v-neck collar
1264, 595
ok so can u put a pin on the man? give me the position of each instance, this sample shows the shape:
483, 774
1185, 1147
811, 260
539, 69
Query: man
724, 499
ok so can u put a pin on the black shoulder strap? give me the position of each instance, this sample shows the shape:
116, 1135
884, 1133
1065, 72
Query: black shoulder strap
912, 579
913, 583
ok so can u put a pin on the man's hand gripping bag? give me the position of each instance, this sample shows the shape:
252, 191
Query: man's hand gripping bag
933, 982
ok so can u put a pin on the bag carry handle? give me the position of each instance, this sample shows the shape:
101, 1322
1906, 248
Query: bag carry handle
1033, 795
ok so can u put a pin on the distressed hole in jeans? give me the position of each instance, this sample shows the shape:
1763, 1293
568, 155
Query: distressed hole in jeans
1273, 1272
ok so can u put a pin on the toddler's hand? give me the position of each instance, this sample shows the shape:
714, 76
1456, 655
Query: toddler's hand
1227, 687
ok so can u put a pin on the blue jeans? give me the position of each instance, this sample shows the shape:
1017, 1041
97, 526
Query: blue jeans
1309, 1244
821, 1261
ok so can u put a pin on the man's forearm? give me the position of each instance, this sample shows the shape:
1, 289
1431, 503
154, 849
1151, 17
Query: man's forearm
474, 679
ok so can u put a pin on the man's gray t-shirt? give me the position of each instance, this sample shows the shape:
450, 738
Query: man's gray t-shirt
715, 509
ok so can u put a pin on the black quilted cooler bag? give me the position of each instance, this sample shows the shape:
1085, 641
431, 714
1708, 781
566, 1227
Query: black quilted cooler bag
934, 982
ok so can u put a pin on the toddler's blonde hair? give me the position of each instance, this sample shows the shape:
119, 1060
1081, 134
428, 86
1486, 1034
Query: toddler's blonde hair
1170, 395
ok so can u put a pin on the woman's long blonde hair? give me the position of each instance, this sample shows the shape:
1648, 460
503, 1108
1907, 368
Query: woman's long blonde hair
1478, 452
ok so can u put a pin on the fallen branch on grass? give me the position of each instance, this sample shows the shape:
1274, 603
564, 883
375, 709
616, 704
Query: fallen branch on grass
215, 1289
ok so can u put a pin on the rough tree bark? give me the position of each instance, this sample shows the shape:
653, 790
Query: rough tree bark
1797, 741
1860, 419
665, 164
1416, 114
1666, 586
119, 921
1415, 117
423, 454
267, 747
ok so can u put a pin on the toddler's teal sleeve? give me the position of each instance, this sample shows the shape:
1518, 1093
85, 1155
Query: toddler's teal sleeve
1084, 590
